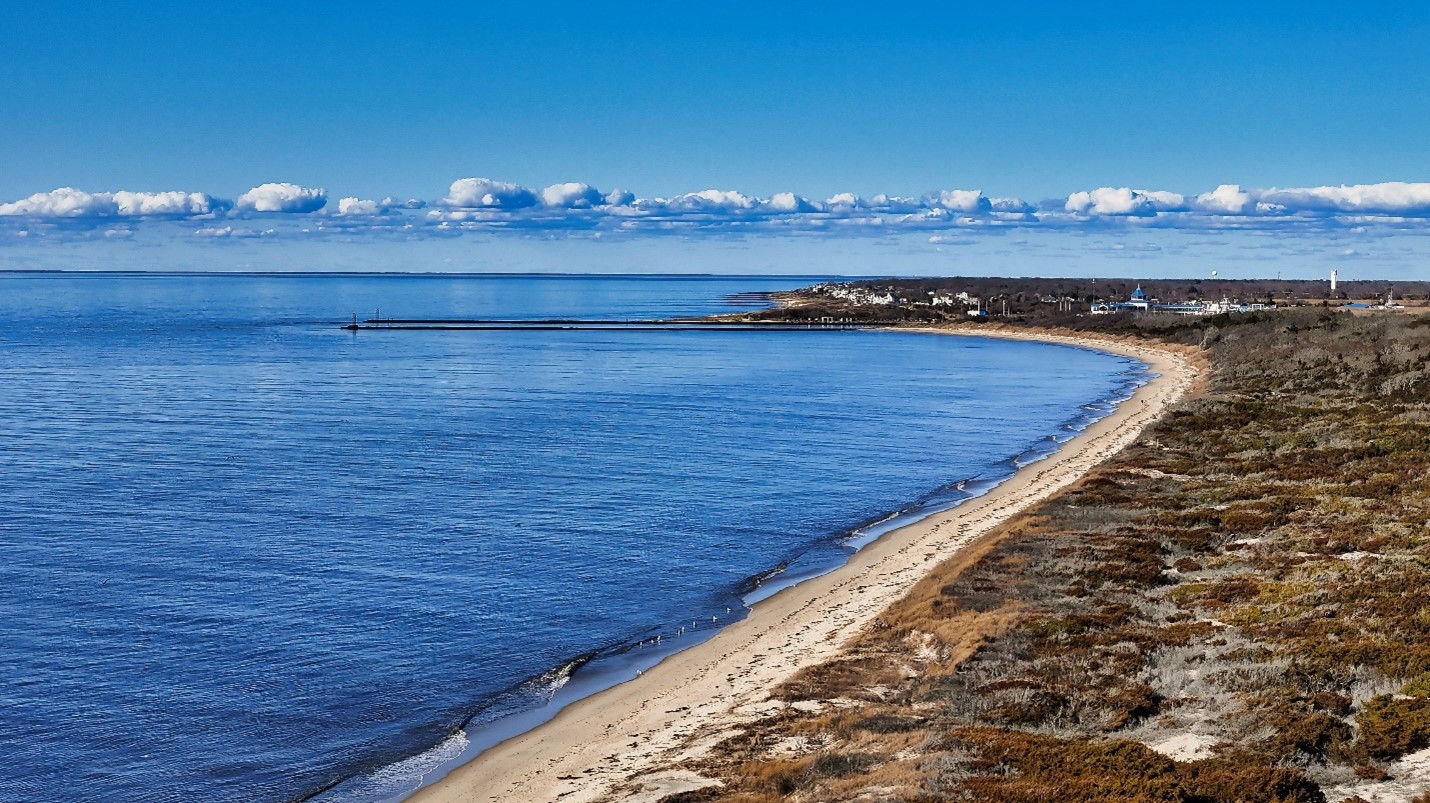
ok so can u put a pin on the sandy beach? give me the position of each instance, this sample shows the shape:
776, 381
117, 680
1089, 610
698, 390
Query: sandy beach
632, 741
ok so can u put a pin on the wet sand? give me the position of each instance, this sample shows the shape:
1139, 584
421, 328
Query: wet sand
631, 742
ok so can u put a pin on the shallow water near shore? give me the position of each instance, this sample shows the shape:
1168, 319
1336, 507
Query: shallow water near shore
250, 556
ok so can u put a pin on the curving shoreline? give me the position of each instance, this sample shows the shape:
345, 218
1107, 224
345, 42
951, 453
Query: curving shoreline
628, 741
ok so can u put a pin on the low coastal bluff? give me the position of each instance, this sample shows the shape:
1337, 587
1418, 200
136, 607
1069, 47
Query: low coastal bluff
1231, 609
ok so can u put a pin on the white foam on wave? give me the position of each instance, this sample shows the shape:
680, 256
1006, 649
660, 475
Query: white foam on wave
552, 681
400, 778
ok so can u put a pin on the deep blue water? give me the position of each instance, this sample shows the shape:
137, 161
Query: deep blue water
245, 555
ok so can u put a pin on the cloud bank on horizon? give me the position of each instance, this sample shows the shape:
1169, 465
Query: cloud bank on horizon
484, 203
1393, 198
68, 202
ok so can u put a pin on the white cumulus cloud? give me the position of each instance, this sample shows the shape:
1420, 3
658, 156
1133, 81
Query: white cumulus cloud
572, 195
844, 201
68, 202
935, 204
63, 202
789, 202
1123, 202
1227, 199
354, 206
969, 202
167, 203
1010, 205
709, 201
894, 203
1388, 198
620, 198
1232, 200
283, 197
485, 193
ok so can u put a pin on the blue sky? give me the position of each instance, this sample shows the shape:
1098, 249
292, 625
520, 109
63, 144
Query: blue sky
1035, 102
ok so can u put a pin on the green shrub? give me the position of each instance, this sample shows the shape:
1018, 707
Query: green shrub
1390, 727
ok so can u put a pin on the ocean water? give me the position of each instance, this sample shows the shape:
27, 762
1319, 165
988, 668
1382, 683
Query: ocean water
248, 556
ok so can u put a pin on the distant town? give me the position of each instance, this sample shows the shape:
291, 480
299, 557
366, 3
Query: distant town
942, 299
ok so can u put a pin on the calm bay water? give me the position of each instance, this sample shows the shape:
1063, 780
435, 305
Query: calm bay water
249, 556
